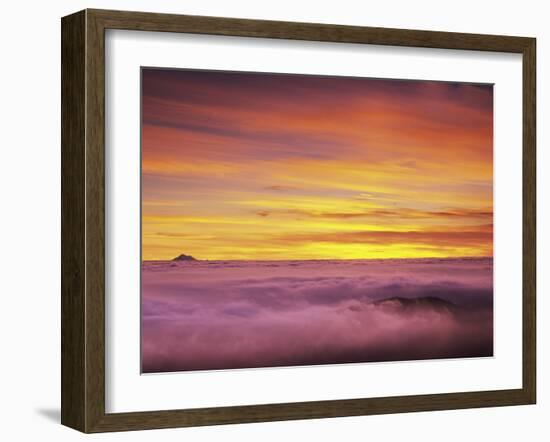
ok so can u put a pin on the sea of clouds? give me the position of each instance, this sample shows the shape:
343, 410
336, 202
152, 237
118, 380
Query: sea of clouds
239, 314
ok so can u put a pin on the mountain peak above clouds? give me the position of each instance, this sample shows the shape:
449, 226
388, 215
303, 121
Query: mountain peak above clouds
183, 257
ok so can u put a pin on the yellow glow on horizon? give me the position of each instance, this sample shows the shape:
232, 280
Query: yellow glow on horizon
235, 170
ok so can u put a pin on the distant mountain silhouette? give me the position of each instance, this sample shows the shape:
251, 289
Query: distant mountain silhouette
183, 257
414, 305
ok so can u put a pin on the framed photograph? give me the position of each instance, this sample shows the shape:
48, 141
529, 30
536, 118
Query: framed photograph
269, 220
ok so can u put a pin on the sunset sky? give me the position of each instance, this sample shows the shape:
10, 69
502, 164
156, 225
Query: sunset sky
264, 166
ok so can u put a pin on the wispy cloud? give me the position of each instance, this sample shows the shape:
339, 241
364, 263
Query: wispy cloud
232, 161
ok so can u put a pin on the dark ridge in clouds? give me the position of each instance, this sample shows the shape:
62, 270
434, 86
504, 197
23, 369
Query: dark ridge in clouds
243, 314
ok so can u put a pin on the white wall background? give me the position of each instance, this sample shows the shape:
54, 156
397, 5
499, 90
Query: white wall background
30, 217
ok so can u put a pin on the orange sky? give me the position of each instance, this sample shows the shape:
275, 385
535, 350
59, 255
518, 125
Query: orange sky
262, 166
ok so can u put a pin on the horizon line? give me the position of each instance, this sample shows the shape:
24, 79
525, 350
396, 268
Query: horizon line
323, 259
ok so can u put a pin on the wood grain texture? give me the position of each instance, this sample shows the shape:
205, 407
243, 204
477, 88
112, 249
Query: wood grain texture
144, 21
95, 222
73, 128
83, 220
529, 220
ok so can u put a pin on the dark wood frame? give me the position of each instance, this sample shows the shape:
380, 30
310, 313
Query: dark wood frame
83, 217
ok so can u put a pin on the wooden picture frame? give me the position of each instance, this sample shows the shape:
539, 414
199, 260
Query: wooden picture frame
83, 220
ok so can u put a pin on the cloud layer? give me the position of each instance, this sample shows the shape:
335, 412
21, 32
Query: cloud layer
231, 314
